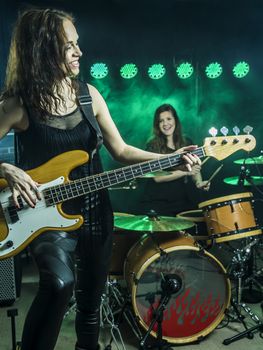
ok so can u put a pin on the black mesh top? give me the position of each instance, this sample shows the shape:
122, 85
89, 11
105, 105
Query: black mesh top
46, 139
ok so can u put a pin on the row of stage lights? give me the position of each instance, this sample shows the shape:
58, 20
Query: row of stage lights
156, 71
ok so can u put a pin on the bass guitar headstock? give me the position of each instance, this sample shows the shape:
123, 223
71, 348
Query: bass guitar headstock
220, 147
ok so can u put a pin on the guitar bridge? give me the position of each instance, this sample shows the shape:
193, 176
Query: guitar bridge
13, 210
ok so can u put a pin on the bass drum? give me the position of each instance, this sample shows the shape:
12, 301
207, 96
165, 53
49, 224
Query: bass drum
198, 306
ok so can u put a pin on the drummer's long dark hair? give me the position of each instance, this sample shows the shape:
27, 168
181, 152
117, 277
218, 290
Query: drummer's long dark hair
158, 143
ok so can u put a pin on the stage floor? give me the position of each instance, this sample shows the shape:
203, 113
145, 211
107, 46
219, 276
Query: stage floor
66, 341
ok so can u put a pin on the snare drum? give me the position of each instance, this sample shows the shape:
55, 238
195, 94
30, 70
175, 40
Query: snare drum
197, 307
199, 231
230, 217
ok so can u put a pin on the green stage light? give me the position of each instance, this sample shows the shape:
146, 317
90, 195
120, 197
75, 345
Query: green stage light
241, 69
184, 70
214, 70
156, 71
128, 71
99, 70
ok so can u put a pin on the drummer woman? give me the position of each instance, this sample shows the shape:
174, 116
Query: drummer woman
175, 192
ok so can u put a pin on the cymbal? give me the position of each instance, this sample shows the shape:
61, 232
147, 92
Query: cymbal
156, 173
152, 224
252, 180
250, 161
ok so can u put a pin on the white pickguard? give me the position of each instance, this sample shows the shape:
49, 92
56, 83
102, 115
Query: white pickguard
31, 219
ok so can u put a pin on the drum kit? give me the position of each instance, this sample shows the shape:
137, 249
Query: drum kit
163, 278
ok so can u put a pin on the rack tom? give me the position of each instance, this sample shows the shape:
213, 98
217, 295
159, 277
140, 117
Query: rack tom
230, 217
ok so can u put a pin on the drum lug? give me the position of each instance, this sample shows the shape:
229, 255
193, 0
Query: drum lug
135, 280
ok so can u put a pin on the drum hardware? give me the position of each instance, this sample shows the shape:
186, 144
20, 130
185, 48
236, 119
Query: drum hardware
238, 270
248, 332
244, 175
243, 270
244, 261
114, 307
115, 304
238, 267
251, 295
170, 284
252, 288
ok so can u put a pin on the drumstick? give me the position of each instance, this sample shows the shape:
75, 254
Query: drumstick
205, 160
215, 173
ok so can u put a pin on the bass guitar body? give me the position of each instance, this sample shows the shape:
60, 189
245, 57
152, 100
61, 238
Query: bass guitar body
19, 226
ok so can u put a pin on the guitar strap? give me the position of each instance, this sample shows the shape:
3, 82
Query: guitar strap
85, 103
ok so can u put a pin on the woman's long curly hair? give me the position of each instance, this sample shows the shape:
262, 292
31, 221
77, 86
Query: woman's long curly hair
36, 62
159, 142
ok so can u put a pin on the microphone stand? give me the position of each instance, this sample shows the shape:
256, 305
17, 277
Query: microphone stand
170, 284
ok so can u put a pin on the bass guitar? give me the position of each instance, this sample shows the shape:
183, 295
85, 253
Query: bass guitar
19, 226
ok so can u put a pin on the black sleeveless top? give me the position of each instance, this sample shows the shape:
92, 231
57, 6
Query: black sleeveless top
169, 198
46, 139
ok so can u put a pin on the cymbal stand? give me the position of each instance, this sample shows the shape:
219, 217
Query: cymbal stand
248, 332
239, 268
250, 294
115, 306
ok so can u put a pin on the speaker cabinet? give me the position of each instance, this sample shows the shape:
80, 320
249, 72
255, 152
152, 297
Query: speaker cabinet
10, 280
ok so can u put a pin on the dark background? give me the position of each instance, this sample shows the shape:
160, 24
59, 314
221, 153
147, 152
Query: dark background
168, 31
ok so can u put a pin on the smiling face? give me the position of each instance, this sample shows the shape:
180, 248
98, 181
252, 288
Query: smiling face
167, 123
72, 50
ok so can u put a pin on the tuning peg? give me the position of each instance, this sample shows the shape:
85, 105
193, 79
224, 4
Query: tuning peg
212, 131
224, 131
248, 129
236, 130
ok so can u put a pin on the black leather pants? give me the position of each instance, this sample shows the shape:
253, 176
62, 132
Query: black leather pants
54, 253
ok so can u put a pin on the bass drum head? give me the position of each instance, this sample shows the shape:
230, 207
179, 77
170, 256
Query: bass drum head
197, 308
